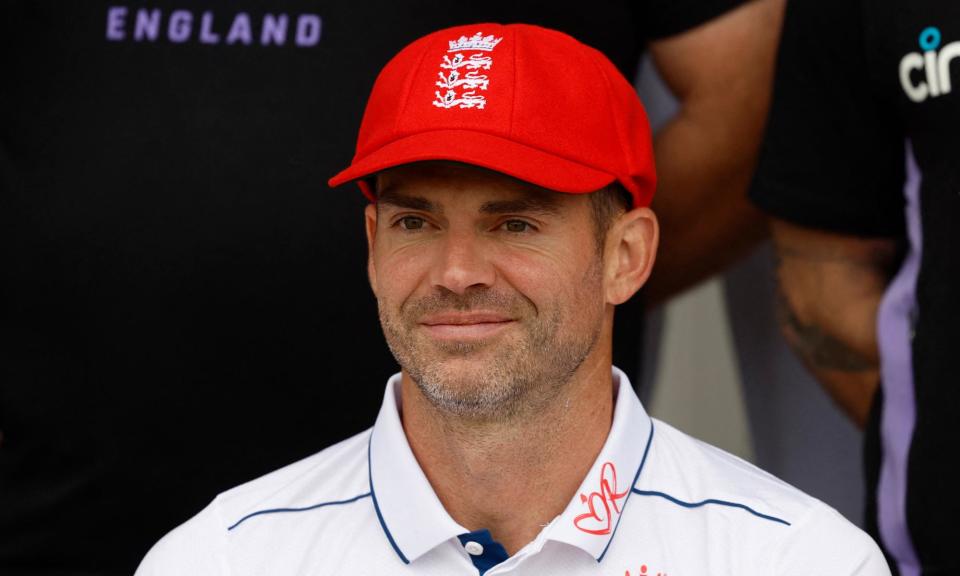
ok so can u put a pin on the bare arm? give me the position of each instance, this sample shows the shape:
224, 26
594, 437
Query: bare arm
721, 72
830, 290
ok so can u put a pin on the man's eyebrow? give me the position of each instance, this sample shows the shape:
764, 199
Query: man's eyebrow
537, 204
391, 197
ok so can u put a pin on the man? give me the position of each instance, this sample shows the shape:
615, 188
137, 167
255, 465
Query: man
166, 300
511, 170
860, 170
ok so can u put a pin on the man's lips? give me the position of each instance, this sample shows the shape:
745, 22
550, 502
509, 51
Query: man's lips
464, 318
464, 325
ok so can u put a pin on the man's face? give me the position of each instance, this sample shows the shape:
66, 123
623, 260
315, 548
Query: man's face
490, 290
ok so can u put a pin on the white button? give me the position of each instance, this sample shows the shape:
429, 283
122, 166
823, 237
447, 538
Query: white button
473, 548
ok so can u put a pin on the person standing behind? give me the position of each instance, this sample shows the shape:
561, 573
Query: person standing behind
859, 170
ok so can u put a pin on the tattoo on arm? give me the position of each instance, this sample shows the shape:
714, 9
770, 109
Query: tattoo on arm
817, 348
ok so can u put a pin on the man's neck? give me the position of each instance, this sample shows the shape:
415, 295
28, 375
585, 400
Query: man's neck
512, 476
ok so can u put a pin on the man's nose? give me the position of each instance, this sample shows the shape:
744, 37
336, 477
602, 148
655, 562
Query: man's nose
462, 263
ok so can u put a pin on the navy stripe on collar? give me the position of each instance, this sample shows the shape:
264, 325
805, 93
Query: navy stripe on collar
376, 506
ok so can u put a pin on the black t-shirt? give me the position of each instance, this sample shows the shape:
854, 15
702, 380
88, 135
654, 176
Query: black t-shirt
184, 302
860, 86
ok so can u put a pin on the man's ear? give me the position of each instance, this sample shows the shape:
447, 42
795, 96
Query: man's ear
370, 216
629, 253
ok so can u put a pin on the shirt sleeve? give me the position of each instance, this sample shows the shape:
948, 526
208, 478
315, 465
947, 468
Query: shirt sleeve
825, 542
662, 18
195, 547
833, 155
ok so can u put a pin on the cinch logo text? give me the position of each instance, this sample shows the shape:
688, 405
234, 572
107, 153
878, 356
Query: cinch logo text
933, 65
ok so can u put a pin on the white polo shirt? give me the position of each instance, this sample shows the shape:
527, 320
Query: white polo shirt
655, 502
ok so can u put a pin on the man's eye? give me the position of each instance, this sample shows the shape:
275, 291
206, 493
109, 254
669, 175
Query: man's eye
516, 226
411, 223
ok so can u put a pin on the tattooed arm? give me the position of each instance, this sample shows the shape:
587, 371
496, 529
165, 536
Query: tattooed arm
830, 290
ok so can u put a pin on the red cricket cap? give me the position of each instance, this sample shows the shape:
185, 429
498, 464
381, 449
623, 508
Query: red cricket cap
526, 101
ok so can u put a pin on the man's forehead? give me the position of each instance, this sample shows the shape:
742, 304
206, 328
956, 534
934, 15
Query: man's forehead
424, 185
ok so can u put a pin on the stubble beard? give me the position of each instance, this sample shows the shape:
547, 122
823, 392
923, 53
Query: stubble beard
522, 374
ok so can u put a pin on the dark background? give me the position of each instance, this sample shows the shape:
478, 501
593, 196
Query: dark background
183, 301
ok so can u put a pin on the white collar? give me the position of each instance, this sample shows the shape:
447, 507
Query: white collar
415, 521
409, 510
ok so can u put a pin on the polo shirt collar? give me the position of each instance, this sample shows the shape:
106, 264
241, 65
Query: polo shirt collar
589, 522
412, 516
591, 518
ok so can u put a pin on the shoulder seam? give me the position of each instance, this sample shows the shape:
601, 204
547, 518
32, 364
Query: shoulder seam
684, 504
303, 509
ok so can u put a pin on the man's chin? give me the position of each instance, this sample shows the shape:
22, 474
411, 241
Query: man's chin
467, 389
464, 365
460, 371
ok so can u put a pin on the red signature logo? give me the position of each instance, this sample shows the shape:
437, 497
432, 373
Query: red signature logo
599, 520
643, 572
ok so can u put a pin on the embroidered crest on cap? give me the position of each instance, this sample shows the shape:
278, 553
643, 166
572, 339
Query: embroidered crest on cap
473, 80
